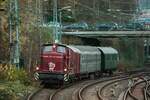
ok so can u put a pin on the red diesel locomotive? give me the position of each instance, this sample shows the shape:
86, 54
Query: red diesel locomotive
61, 63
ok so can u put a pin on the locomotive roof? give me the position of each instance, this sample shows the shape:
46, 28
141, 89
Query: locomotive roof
108, 50
78, 48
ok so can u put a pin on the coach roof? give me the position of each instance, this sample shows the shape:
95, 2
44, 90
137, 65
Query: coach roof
108, 50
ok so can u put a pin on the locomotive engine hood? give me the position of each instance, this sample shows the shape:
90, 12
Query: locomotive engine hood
53, 58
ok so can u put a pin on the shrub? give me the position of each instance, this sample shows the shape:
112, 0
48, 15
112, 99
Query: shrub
11, 73
6, 95
13, 91
3, 71
23, 77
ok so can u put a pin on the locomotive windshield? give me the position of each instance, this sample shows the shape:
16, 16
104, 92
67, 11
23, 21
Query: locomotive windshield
61, 49
47, 48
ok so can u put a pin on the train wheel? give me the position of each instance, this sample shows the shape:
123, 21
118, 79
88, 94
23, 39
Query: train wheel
98, 74
92, 76
72, 80
110, 72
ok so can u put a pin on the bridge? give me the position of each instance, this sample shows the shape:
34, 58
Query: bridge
108, 34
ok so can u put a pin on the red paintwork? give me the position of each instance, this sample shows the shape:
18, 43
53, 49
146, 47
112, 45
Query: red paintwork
53, 58
74, 62
69, 60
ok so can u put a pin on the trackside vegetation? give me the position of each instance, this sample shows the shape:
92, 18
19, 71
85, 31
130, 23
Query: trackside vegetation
14, 83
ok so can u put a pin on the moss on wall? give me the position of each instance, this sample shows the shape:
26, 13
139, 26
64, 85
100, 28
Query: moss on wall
131, 51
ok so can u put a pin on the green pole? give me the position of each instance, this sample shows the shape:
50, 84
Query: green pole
17, 51
55, 21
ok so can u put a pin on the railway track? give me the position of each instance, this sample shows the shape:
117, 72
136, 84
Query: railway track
99, 92
81, 91
52, 96
129, 93
41, 94
131, 90
57, 94
145, 90
48, 94
147, 93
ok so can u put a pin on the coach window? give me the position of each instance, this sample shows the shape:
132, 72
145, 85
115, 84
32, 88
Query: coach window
61, 49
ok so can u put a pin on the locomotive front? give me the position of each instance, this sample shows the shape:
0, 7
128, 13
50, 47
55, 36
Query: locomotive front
53, 65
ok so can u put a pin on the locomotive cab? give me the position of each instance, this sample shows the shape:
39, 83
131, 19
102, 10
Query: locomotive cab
53, 65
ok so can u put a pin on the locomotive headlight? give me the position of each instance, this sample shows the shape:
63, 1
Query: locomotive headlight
54, 46
37, 68
65, 69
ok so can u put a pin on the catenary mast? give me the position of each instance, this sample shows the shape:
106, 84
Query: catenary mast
55, 20
14, 32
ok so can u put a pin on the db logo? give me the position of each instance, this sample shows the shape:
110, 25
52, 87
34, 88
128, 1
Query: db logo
51, 66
